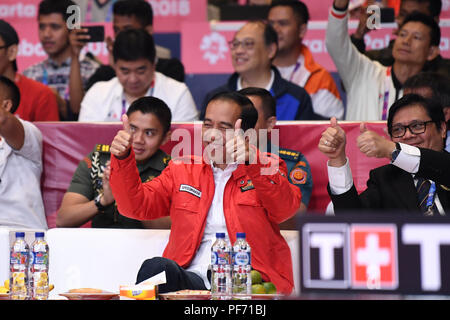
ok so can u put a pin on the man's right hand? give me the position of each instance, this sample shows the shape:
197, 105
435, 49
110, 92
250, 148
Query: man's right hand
120, 147
332, 144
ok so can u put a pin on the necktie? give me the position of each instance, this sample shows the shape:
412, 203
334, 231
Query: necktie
423, 189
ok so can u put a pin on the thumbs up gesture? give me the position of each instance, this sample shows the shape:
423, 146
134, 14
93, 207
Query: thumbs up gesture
120, 147
332, 144
372, 144
237, 148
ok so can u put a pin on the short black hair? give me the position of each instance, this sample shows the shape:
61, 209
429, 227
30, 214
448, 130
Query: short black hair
435, 31
140, 9
134, 44
12, 92
438, 83
269, 104
299, 8
431, 106
249, 114
434, 6
270, 35
55, 6
155, 106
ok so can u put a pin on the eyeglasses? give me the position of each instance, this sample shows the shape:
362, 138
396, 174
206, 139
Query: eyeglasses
247, 44
415, 127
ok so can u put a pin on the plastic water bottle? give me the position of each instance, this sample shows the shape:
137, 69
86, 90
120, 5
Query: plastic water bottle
242, 281
220, 268
39, 284
18, 268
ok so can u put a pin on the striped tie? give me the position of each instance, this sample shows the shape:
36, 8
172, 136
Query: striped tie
423, 188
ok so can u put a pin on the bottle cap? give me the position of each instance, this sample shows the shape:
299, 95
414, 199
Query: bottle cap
20, 234
240, 235
220, 235
39, 234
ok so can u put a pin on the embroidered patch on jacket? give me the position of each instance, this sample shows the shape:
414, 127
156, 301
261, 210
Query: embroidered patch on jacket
298, 176
248, 186
189, 189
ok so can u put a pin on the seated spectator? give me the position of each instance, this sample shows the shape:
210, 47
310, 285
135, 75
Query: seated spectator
295, 61
298, 169
89, 196
65, 71
385, 56
372, 88
223, 191
137, 14
417, 180
21, 204
38, 103
134, 62
435, 86
253, 49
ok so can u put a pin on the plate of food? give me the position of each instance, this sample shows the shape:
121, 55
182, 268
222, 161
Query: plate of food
186, 295
89, 294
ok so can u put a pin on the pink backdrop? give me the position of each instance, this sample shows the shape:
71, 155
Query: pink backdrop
65, 144
204, 47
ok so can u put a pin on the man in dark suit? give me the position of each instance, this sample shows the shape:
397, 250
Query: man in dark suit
418, 178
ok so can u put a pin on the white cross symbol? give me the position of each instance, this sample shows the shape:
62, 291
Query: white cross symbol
372, 256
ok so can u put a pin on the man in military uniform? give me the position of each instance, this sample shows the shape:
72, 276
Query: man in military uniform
299, 171
89, 196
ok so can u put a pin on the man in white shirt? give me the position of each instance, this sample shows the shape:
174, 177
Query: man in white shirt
371, 87
416, 151
21, 204
134, 63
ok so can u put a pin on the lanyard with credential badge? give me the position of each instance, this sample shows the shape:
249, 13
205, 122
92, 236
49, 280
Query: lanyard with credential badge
430, 199
297, 65
386, 93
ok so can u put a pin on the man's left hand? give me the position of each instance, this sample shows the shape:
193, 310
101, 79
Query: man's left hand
238, 148
77, 39
373, 145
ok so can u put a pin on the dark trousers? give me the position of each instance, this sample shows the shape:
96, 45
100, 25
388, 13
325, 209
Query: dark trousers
176, 277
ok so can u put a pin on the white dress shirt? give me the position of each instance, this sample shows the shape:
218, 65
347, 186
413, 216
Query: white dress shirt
215, 222
104, 100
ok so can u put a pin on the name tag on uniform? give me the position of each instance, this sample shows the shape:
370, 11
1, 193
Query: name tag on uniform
189, 189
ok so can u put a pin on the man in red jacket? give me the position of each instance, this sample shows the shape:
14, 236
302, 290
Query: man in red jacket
232, 188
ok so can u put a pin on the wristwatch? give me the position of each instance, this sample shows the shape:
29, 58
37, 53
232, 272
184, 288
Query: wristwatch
98, 204
396, 152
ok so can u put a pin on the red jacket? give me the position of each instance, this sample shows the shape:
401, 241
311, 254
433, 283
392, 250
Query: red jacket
253, 203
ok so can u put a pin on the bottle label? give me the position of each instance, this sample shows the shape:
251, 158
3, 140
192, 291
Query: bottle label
221, 258
19, 257
241, 258
40, 258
